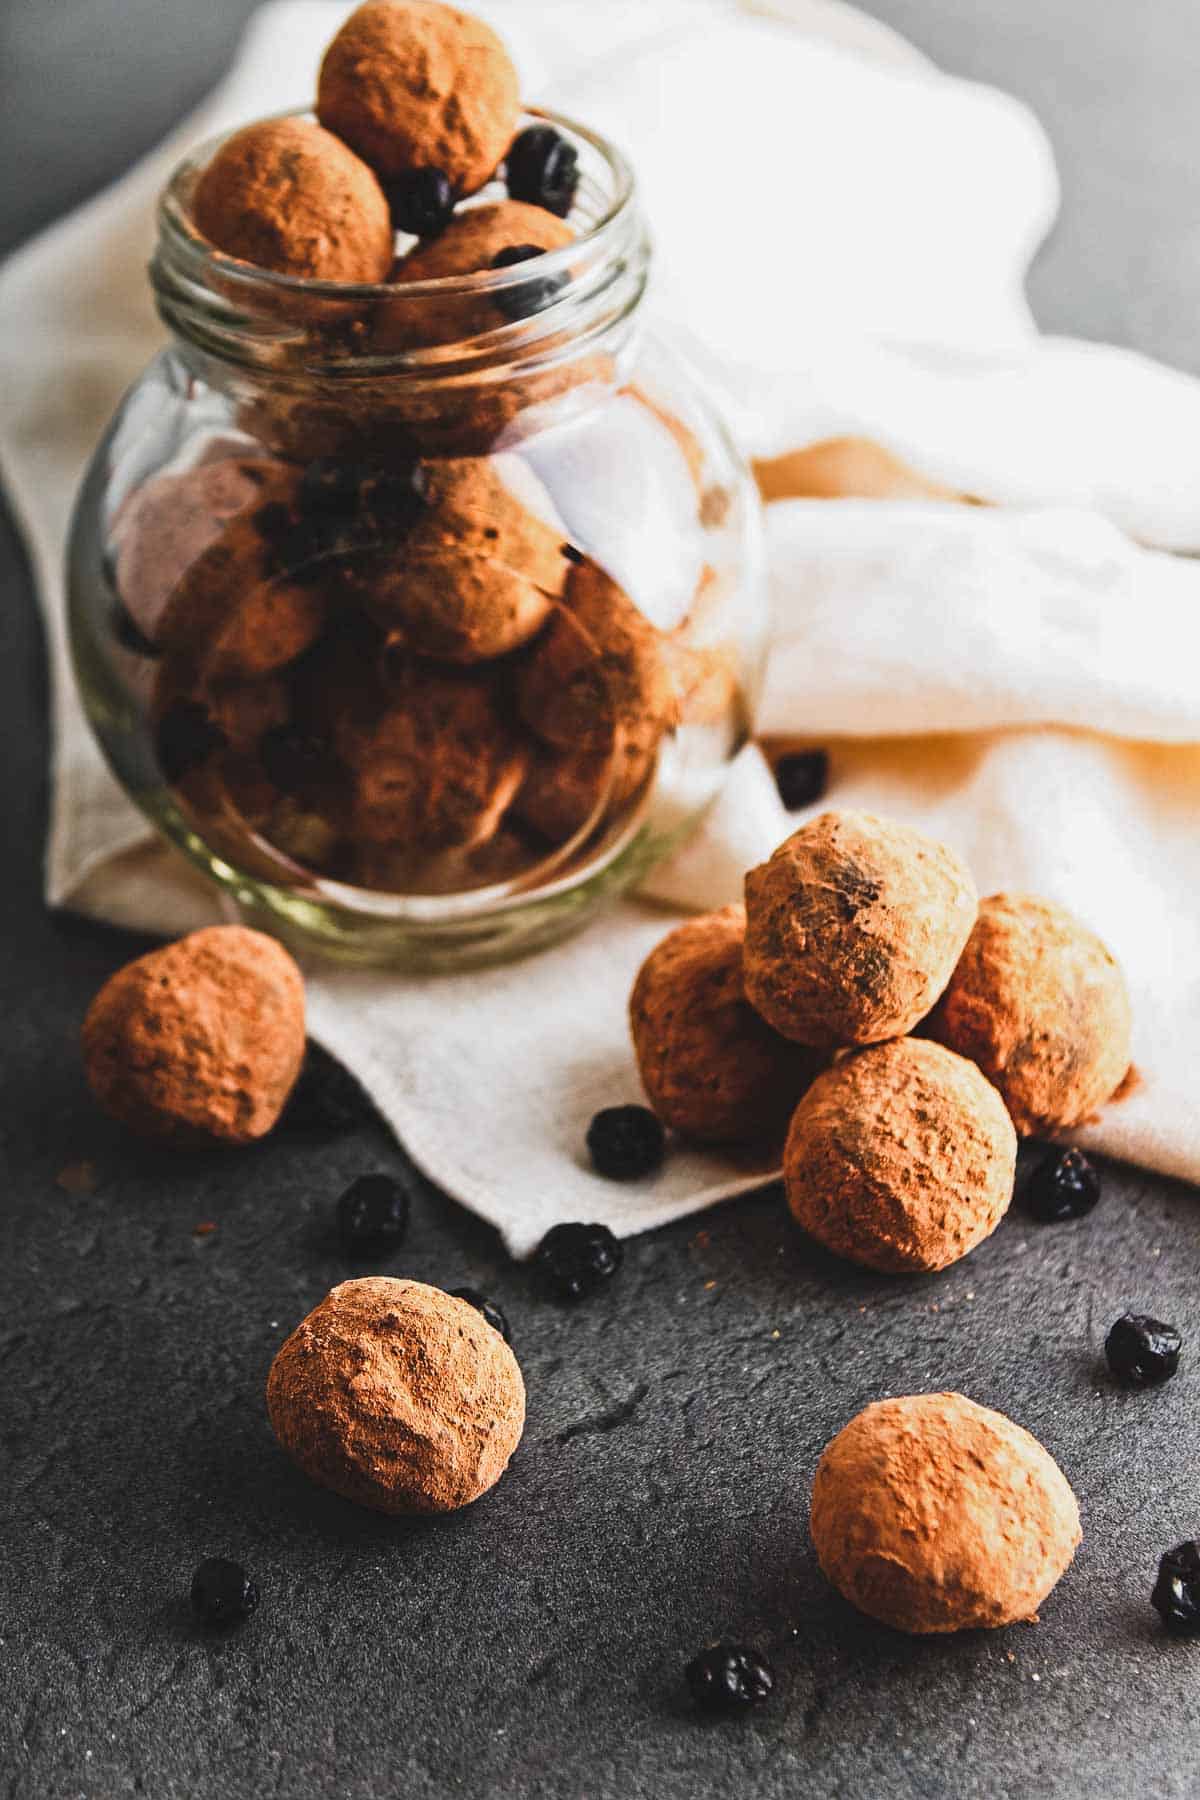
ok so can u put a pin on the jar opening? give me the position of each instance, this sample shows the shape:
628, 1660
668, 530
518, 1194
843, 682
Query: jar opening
527, 314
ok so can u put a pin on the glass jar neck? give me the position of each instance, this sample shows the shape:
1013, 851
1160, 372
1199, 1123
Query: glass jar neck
569, 304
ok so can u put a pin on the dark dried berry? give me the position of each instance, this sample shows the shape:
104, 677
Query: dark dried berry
532, 296
372, 1215
488, 1308
422, 202
1176, 1596
572, 1261
297, 761
1063, 1186
573, 555
222, 1592
326, 1097
626, 1142
802, 776
330, 485
344, 492
130, 635
187, 736
543, 169
1142, 1351
727, 1678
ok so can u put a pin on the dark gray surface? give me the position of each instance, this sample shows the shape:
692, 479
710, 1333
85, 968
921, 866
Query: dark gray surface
533, 1645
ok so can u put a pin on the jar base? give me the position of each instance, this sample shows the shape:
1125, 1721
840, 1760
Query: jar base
320, 930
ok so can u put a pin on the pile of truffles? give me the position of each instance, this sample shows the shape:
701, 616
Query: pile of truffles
389, 666
795, 1013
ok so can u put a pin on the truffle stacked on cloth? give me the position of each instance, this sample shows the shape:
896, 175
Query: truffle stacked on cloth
900, 1154
933, 1514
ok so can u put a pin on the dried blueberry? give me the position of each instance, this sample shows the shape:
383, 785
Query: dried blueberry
372, 1215
326, 1097
728, 1678
802, 776
422, 202
1176, 1596
532, 296
187, 736
1142, 1352
543, 169
297, 761
222, 1592
626, 1142
488, 1308
572, 1261
1064, 1185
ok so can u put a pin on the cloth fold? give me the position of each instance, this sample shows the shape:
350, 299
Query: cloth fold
846, 254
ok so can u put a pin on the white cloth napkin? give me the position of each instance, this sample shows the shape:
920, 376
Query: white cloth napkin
843, 235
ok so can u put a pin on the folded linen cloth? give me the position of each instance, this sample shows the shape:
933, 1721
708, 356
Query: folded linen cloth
845, 253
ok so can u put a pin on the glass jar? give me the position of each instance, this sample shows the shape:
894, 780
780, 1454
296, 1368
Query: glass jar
421, 616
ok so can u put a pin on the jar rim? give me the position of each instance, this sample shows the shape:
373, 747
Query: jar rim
175, 222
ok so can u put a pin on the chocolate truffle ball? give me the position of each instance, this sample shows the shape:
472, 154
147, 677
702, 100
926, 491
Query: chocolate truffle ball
200, 1042
1041, 1005
468, 246
712, 1069
853, 929
564, 790
476, 575
600, 671
930, 1513
411, 84
286, 195
397, 1396
476, 237
900, 1157
246, 605
437, 768
170, 520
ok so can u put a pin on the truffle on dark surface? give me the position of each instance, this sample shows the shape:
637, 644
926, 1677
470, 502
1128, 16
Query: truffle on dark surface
900, 1157
932, 1514
397, 1396
200, 1042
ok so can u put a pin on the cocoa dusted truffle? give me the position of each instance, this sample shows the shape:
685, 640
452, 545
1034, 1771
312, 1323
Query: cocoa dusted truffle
397, 1396
476, 576
286, 195
478, 240
600, 669
900, 1157
167, 524
411, 84
200, 1042
1041, 1005
930, 1513
437, 768
251, 600
565, 790
853, 929
712, 1069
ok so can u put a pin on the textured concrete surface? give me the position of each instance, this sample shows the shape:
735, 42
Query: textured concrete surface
533, 1646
